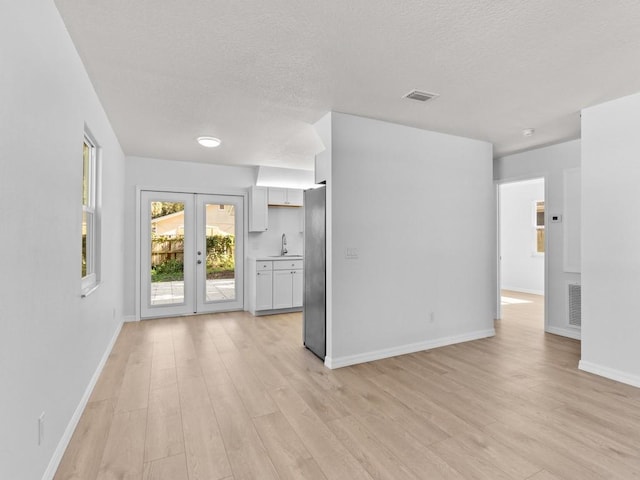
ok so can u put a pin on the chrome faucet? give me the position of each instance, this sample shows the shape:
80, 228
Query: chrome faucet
283, 250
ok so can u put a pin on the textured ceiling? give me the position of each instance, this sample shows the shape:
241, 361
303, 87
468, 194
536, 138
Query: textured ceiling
259, 73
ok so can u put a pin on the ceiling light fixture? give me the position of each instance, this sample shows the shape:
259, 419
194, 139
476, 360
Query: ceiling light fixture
209, 142
527, 132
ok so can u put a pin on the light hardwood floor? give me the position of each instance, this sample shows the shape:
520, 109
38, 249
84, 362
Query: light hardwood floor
231, 396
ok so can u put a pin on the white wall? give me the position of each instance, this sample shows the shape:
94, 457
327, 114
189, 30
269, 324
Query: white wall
287, 220
150, 173
522, 268
611, 239
51, 340
419, 208
552, 163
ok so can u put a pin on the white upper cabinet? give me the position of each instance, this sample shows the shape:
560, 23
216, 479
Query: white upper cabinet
277, 196
258, 209
289, 197
295, 197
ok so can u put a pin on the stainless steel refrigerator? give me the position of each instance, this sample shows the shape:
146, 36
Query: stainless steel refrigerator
314, 326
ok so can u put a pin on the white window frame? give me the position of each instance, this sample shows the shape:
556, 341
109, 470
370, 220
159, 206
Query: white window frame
91, 209
537, 227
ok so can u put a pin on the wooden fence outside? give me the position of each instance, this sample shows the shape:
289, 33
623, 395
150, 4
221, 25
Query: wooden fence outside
219, 248
165, 249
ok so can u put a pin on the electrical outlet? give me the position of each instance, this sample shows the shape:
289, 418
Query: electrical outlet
41, 428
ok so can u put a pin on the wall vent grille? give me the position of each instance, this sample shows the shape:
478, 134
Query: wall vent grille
420, 96
575, 304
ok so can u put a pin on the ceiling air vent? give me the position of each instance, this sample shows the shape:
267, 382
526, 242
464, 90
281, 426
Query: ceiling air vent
420, 96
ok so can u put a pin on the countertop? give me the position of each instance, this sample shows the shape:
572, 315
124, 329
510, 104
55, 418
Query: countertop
262, 258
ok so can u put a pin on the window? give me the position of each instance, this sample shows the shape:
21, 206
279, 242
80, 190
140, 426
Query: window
539, 224
90, 214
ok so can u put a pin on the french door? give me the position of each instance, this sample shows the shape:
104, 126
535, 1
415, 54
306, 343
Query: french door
191, 253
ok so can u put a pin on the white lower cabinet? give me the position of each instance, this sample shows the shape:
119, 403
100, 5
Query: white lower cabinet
287, 283
282, 289
278, 285
297, 288
264, 289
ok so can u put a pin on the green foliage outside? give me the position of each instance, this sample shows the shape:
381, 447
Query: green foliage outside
168, 271
160, 209
220, 259
84, 255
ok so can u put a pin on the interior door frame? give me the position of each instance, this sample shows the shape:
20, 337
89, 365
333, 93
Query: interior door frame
138, 229
498, 279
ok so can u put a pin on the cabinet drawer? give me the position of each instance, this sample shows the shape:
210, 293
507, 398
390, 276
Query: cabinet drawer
264, 265
287, 264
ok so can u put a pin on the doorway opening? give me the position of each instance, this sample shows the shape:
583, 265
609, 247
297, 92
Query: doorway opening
522, 244
191, 253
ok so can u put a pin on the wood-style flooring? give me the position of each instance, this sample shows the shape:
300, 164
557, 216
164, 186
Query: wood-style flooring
232, 396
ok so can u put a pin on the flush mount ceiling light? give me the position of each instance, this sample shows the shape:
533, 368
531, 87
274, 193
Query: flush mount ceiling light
209, 142
527, 132
420, 96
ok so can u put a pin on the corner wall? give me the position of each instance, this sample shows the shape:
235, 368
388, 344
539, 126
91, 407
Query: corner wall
418, 208
554, 163
52, 341
611, 240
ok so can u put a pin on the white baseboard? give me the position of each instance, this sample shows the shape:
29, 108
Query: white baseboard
75, 418
523, 290
405, 349
129, 318
576, 334
611, 373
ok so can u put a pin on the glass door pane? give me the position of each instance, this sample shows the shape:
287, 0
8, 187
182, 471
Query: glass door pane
167, 254
220, 282
220, 236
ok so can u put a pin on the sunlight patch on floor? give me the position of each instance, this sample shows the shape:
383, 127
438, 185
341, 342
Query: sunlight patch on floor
512, 301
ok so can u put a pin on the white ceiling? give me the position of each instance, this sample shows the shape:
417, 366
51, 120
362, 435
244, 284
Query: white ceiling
259, 73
